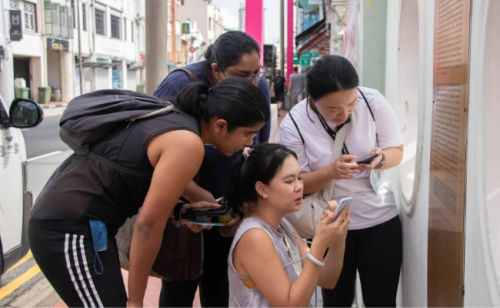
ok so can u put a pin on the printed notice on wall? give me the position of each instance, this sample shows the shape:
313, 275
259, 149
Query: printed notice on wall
448, 153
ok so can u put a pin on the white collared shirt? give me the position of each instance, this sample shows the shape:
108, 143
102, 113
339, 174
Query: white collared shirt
368, 209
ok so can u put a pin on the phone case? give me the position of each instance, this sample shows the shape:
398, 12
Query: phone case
201, 214
368, 160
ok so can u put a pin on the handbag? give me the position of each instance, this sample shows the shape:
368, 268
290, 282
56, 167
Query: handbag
309, 215
180, 256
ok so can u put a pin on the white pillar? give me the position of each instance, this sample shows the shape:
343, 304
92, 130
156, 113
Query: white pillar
67, 76
124, 74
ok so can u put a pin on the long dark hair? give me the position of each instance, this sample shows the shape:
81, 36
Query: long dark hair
235, 100
262, 165
228, 48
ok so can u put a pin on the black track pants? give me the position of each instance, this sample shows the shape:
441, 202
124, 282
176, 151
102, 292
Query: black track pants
376, 253
67, 259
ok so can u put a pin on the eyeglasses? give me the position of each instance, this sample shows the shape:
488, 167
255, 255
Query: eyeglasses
255, 77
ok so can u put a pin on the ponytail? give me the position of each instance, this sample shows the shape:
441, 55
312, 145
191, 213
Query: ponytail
191, 99
234, 195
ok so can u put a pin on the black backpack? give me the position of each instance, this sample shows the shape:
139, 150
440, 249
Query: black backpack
90, 116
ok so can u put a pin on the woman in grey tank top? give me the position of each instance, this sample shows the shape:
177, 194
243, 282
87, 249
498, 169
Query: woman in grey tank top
268, 264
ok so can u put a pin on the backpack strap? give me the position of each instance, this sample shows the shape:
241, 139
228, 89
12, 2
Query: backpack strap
190, 73
163, 110
296, 126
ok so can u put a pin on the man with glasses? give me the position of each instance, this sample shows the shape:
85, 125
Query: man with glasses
233, 54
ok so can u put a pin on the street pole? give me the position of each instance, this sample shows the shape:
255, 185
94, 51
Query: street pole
156, 43
80, 64
282, 37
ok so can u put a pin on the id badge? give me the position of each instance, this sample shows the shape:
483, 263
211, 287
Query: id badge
99, 235
374, 180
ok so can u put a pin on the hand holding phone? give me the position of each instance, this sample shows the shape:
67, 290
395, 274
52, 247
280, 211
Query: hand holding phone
367, 160
203, 211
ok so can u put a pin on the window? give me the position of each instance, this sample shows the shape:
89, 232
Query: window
84, 17
100, 22
115, 27
29, 17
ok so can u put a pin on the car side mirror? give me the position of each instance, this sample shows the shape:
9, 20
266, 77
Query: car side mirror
24, 113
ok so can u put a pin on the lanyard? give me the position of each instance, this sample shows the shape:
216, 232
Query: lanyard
333, 133
295, 263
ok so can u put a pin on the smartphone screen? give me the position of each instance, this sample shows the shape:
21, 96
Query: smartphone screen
342, 204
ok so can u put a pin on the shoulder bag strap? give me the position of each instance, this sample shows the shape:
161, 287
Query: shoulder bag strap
296, 126
328, 191
190, 74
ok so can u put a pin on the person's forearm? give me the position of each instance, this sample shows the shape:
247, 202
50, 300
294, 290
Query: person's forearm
303, 288
317, 179
144, 248
334, 261
194, 193
393, 156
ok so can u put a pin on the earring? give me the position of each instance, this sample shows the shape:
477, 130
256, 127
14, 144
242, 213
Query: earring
263, 196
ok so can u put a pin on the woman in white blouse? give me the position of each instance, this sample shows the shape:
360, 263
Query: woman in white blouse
374, 240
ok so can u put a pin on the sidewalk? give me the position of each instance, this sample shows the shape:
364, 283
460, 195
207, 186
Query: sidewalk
53, 105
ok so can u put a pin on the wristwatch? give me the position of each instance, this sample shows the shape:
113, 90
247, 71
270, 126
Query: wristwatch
382, 162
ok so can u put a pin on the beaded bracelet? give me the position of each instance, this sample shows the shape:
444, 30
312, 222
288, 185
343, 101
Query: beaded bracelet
314, 260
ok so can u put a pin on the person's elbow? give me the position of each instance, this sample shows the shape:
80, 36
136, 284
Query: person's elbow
330, 284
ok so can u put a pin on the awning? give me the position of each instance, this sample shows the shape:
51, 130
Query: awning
312, 41
309, 32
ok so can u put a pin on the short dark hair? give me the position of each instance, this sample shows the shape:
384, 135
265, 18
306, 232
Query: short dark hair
262, 165
235, 100
331, 74
227, 50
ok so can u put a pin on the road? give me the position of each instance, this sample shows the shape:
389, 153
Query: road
44, 138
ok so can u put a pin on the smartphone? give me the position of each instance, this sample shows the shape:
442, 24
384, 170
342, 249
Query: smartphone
201, 214
207, 224
368, 160
342, 204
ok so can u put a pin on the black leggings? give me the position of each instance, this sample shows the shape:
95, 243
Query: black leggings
66, 258
376, 253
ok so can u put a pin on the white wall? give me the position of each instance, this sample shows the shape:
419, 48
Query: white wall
132, 79
409, 75
30, 46
412, 72
102, 78
482, 236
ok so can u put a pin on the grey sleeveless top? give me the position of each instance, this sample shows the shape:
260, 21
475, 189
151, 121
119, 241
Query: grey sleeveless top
239, 294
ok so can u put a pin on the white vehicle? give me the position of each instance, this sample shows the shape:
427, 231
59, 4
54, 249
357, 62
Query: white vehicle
15, 199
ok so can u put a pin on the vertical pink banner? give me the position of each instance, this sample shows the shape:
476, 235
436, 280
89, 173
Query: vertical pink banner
289, 41
254, 11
